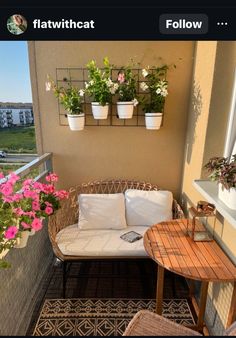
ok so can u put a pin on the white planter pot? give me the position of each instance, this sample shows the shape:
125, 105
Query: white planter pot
153, 120
22, 241
100, 112
76, 122
125, 109
228, 197
32, 232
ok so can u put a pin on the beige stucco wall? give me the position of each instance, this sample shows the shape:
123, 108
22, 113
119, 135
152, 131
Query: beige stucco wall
113, 152
208, 115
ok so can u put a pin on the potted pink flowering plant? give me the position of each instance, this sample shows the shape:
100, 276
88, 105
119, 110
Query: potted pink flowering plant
23, 207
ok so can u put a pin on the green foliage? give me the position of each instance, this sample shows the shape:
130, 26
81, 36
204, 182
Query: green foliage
18, 140
70, 98
127, 84
100, 85
156, 85
222, 170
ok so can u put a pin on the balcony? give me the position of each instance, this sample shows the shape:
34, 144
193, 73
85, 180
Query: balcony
172, 157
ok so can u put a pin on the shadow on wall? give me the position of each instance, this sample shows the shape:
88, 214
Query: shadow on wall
195, 111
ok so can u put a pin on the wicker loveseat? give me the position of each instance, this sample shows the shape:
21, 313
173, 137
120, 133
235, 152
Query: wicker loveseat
68, 214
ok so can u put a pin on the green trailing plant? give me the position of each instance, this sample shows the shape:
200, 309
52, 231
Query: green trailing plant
70, 97
100, 86
222, 170
156, 86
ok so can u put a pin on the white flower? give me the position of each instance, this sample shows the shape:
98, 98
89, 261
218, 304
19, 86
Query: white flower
143, 86
48, 86
86, 85
135, 102
116, 86
91, 82
109, 83
112, 90
81, 92
158, 91
144, 72
164, 92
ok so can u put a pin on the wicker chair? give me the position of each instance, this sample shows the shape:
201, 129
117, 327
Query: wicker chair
69, 212
146, 323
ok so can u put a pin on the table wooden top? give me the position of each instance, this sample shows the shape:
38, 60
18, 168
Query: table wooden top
168, 245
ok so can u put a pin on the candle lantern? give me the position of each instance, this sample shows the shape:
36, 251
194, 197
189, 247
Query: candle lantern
198, 216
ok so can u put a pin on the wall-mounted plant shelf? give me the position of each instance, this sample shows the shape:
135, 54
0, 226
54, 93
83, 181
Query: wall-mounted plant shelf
77, 77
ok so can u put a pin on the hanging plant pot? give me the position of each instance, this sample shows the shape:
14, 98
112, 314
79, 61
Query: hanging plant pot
153, 120
100, 112
76, 121
228, 197
21, 242
125, 109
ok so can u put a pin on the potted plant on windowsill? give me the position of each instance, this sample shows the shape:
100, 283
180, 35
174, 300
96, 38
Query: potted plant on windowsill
23, 207
72, 100
153, 102
223, 171
100, 87
126, 93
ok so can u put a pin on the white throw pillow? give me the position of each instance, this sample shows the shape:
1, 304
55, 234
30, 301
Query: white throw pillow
102, 211
148, 207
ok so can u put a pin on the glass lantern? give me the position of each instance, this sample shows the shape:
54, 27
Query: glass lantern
198, 216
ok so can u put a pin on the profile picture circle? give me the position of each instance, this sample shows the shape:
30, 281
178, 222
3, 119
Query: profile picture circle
16, 24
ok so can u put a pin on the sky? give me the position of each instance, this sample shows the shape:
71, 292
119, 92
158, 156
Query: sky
14, 72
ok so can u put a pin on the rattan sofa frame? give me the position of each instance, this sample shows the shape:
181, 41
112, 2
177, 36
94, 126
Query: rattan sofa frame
69, 212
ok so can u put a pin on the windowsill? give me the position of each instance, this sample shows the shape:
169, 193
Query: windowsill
209, 190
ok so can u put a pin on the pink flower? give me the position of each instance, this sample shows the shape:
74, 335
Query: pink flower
7, 199
37, 185
17, 197
35, 205
1, 175
52, 178
25, 225
11, 232
27, 182
30, 213
121, 77
13, 178
30, 194
6, 189
18, 211
37, 224
48, 210
48, 189
61, 194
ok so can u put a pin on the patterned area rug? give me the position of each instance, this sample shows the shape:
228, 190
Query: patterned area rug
101, 317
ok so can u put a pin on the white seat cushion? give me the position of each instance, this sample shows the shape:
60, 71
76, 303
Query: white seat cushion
102, 211
148, 207
75, 242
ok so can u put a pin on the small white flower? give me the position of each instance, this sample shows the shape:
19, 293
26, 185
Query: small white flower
112, 90
144, 72
158, 91
86, 85
143, 86
116, 86
164, 92
81, 92
48, 86
91, 82
135, 102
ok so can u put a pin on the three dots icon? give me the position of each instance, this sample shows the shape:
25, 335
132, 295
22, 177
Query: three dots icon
222, 23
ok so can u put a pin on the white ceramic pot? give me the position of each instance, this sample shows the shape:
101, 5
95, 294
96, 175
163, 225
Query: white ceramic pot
153, 120
100, 112
76, 122
125, 109
228, 197
31, 232
21, 242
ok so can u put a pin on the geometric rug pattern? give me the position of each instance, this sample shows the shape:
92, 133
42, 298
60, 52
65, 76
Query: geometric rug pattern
102, 317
